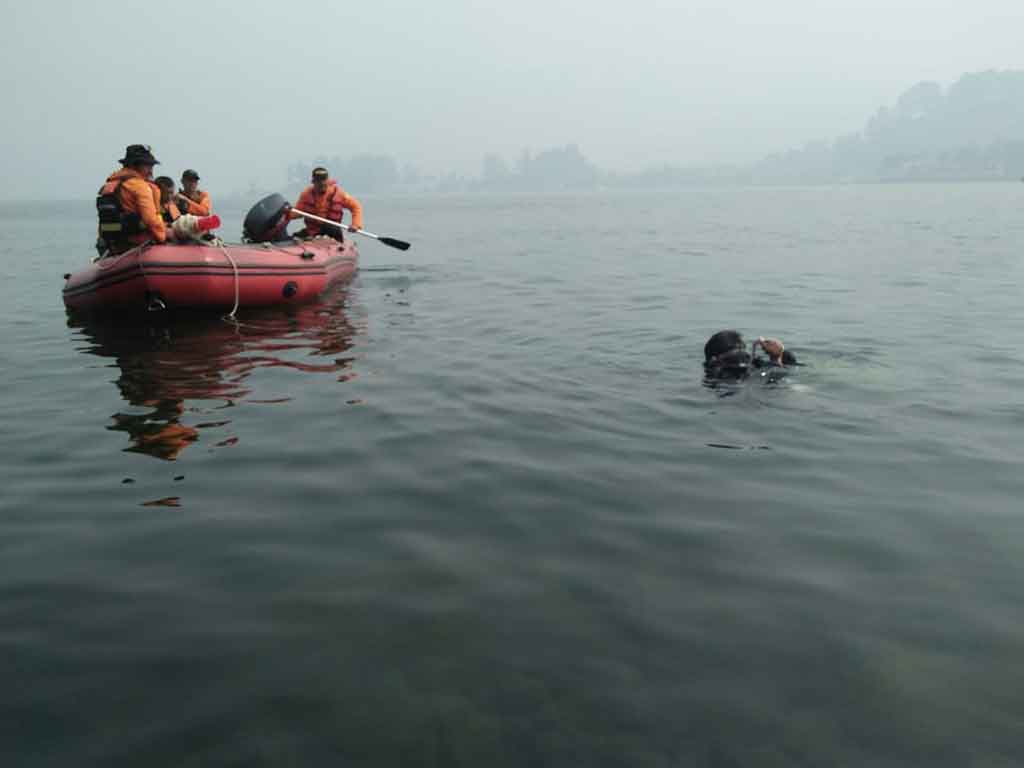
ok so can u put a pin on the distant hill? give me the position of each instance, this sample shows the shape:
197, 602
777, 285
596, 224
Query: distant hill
974, 129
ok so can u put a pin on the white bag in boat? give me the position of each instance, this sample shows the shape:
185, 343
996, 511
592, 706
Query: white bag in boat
189, 227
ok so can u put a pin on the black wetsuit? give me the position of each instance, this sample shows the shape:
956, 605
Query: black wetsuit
726, 358
738, 364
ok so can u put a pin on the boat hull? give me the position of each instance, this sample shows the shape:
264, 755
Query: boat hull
196, 276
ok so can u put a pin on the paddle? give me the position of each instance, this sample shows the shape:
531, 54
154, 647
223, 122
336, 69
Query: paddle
393, 242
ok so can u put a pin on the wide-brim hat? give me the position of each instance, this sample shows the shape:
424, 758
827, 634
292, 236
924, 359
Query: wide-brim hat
190, 174
138, 154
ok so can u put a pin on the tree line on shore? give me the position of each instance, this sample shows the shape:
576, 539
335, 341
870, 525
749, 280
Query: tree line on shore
972, 130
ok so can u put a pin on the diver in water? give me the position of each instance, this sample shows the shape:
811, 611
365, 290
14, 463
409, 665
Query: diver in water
726, 356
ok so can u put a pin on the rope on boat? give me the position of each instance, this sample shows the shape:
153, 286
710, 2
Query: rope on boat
154, 304
224, 250
276, 247
234, 266
107, 254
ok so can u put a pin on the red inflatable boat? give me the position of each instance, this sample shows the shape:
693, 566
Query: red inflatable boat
212, 275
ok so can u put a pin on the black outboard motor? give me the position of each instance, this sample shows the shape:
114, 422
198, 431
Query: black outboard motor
266, 220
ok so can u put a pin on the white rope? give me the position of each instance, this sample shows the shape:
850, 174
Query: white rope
108, 255
234, 266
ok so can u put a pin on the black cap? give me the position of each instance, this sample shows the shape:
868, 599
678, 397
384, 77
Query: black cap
190, 174
320, 173
138, 154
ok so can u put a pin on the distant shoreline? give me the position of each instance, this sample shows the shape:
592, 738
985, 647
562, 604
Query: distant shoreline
238, 202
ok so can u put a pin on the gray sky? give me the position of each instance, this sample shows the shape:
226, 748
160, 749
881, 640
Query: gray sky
238, 90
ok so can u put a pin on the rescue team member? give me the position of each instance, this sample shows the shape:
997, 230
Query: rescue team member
128, 204
190, 198
168, 210
726, 356
325, 199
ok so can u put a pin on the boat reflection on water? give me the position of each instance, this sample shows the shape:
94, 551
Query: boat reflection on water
181, 373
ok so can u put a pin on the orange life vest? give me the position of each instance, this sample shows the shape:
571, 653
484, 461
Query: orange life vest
127, 206
200, 205
330, 205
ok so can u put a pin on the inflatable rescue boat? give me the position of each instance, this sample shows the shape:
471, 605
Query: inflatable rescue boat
262, 272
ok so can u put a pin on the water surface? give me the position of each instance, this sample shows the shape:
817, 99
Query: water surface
478, 507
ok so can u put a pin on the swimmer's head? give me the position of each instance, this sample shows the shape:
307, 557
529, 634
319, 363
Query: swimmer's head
726, 356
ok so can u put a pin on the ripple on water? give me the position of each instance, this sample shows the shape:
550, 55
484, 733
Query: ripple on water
485, 494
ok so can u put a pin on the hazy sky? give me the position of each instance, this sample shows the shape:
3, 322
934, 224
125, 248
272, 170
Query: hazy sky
238, 90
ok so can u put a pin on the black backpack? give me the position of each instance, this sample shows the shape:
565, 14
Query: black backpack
115, 223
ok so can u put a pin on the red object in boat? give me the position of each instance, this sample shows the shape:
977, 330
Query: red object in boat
205, 275
206, 223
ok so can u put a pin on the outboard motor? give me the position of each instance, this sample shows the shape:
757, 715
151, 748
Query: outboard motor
266, 220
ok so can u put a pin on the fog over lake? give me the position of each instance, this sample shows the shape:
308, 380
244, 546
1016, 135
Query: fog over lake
239, 92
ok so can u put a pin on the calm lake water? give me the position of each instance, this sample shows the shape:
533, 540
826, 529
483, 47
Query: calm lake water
478, 509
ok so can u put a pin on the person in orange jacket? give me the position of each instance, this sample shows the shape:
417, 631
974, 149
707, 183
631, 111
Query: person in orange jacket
183, 227
128, 203
168, 210
324, 198
190, 198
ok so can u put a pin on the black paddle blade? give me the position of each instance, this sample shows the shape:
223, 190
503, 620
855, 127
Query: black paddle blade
399, 244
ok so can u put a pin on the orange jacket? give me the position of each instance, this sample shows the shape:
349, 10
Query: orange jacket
329, 205
137, 195
200, 207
